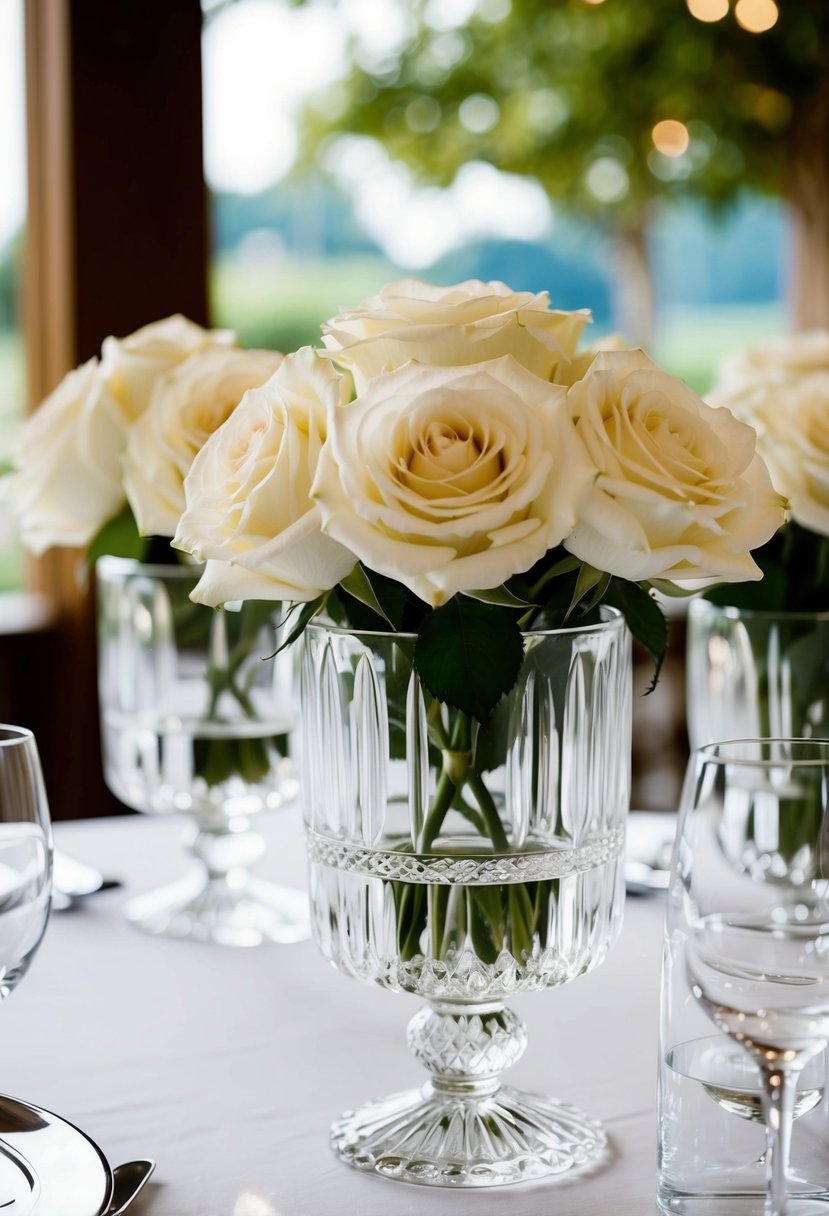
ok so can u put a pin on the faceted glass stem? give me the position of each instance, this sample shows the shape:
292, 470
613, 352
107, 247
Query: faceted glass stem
222, 901
464, 1128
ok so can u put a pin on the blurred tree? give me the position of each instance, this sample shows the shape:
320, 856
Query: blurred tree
10, 259
612, 105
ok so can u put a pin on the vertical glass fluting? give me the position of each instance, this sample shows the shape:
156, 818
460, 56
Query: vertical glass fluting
760, 675
462, 863
193, 721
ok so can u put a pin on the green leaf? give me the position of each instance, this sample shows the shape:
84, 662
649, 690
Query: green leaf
644, 618
358, 586
306, 613
468, 655
499, 596
119, 537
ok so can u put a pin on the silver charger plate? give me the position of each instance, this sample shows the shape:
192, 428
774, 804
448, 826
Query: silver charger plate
49, 1167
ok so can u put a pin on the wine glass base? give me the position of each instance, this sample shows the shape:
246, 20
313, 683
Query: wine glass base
737, 1205
443, 1139
214, 910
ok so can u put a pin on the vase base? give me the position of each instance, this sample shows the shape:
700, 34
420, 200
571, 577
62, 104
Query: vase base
197, 909
442, 1139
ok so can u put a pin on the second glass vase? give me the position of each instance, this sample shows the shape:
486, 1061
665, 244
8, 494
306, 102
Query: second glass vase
193, 721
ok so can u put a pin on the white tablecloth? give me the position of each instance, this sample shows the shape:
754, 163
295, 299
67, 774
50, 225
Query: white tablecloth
227, 1065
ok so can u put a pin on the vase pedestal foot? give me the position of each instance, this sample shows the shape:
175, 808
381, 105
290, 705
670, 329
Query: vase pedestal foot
465, 1128
440, 1139
250, 913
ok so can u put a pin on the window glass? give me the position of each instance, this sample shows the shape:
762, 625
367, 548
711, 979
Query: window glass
12, 216
292, 241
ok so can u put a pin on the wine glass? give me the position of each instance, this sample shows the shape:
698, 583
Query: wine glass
25, 888
755, 943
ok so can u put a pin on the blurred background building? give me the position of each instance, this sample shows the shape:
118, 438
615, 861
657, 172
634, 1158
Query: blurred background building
260, 162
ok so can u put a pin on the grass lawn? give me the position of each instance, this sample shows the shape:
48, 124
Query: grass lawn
690, 342
282, 305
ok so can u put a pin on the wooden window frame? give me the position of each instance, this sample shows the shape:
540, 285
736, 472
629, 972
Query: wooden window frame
116, 236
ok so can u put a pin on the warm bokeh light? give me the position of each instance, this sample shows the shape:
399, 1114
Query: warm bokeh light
594, 1
708, 10
670, 137
756, 16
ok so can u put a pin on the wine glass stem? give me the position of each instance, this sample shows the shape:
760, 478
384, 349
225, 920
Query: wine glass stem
779, 1093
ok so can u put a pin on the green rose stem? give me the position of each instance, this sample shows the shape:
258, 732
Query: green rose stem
219, 759
489, 913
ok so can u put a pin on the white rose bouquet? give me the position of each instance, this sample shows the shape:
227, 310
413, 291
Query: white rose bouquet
448, 458
448, 465
782, 390
102, 464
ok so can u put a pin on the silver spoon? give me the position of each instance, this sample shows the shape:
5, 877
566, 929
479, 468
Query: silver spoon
128, 1180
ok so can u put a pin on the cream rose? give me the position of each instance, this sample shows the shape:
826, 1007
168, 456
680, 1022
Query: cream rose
248, 513
792, 420
452, 326
571, 370
780, 359
187, 406
131, 365
452, 479
68, 478
681, 492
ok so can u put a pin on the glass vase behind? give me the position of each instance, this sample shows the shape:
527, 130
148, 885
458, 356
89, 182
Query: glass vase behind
760, 675
193, 722
463, 863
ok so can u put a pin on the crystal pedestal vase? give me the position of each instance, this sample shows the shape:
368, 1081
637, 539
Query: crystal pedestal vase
463, 863
193, 722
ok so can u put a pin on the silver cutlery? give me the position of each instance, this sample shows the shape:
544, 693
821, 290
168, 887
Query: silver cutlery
73, 880
129, 1180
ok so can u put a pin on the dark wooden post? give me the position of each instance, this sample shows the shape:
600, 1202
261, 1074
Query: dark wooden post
116, 237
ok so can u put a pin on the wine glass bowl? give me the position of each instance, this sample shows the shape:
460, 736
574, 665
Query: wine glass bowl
25, 855
751, 945
25, 888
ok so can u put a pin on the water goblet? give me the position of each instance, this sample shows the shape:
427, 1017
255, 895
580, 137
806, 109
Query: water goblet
755, 945
25, 884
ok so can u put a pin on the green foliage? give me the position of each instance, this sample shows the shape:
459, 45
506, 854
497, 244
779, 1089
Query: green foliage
644, 619
119, 537
546, 88
468, 654
795, 565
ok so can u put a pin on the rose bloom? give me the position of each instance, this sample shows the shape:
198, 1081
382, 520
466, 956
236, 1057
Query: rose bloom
249, 514
452, 479
188, 404
681, 492
131, 365
452, 326
792, 420
68, 479
780, 359
576, 368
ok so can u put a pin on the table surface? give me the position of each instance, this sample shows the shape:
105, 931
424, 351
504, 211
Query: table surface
228, 1065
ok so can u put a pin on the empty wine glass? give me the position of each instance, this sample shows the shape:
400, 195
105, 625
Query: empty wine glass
755, 945
25, 885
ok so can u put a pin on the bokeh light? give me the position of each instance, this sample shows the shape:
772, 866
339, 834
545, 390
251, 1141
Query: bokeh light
756, 16
670, 137
607, 180
708, 10
478, 113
